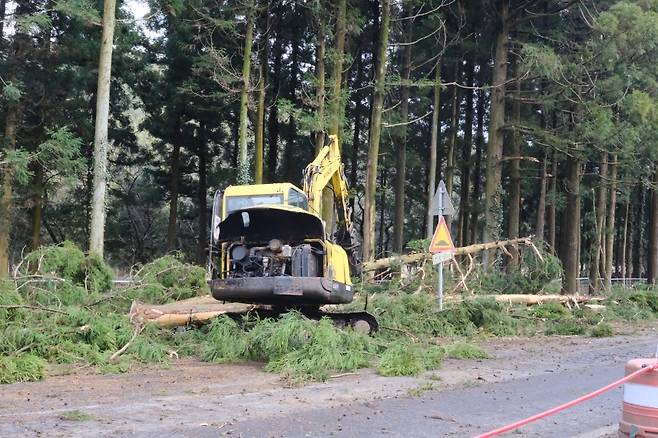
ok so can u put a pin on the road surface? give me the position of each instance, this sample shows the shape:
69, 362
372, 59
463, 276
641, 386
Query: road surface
464, 398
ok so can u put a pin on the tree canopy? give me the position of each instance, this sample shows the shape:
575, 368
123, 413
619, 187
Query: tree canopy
539, 115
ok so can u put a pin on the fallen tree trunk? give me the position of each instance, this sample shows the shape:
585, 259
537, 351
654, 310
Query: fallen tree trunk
531, 299
421, 256
181, 313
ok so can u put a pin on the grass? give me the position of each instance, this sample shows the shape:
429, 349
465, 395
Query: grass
565, 328
602, 330
21, 368
169, 278
85, 323
76, 415
463, 350
82, 321
298, 348
421, 389
406, 359
550, 311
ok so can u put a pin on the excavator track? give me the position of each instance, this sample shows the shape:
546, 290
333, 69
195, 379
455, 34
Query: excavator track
363, 322
360, 321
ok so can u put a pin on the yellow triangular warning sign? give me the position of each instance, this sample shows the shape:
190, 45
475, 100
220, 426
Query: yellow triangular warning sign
441, 242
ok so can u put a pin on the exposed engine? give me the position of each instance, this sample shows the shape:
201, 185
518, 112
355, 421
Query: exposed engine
275, 259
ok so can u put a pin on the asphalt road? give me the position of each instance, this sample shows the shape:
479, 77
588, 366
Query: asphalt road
470, 410
195, 399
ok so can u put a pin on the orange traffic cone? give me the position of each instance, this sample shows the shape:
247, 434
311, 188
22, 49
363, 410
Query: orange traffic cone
640, 409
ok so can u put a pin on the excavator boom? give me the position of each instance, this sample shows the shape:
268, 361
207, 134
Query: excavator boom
326, 170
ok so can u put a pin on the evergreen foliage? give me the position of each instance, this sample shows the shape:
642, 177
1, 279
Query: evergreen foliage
578, 87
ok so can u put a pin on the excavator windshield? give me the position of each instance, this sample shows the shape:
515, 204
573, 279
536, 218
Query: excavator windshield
234, 203
237, 198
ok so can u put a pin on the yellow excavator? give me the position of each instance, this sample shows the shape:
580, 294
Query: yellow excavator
269, 244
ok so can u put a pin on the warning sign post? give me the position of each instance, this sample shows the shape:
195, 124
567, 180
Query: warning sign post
441, 245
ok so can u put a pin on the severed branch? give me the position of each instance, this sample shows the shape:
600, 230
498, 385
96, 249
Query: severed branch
464, 250
138, 329
462, 281
395, 329
25, 306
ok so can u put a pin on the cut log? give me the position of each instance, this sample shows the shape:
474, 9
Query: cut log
598, 308
181, 313
531, 299
422, 256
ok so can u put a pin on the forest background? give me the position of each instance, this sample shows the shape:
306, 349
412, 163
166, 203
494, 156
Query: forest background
540, 116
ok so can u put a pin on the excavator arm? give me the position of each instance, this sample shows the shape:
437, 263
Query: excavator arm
326, 170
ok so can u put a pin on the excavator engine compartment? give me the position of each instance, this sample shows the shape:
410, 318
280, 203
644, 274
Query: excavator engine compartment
275, 259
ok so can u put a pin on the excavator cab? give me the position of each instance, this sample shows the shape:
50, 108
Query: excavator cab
239, 197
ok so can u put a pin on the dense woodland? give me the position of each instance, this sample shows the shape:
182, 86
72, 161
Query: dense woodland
540, 116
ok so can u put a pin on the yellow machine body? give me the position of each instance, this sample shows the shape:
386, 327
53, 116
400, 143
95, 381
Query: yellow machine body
272, 246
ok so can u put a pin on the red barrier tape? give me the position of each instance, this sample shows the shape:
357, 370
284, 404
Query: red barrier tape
564, 406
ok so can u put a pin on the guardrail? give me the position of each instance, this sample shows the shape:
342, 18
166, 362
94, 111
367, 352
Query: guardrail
583, 282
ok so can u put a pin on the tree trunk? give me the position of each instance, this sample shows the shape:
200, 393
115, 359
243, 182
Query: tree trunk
262, 94
260, 126
203, 196
638, 231
515, 176
610, 224
3, 4
452, 137
369, 218
235, 129
625, 240
320, 77
273, 118
652, 262
541, 202
174, 177
97, 229
597, 241
492, 188
552, 210
383, 181
243, 158
6, 199
477, 180
401, 161
434, 142
418, 257
335, 102
336, 108
464, 204
291, 141
571, 234
37, 206
356, 139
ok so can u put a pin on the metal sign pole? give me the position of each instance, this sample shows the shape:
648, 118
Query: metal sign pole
440, 207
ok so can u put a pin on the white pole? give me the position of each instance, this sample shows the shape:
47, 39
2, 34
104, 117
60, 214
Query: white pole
440, 291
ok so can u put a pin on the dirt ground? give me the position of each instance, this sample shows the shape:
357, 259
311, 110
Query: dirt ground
193, 398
